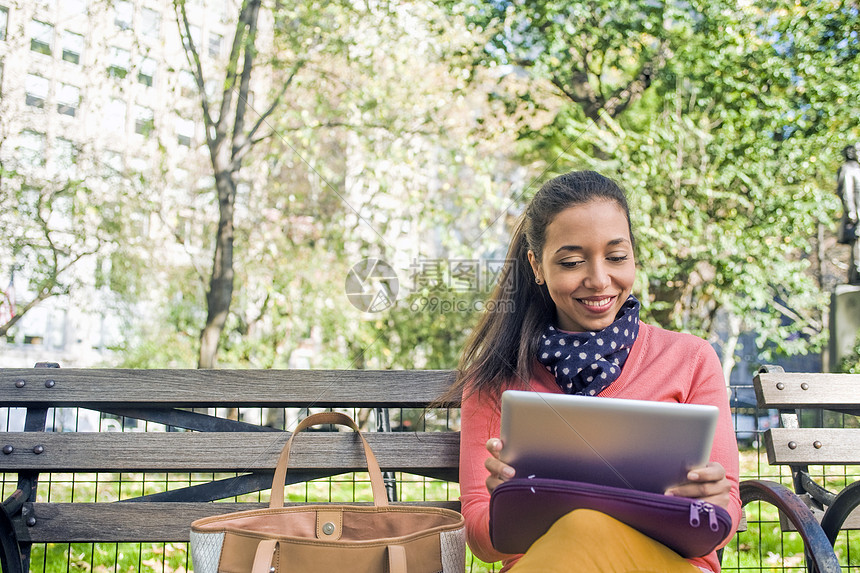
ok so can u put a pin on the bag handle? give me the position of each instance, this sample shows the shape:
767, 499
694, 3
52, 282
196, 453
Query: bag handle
380, 499
265, 554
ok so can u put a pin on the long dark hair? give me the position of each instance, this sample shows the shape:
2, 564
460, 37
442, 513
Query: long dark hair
501, 348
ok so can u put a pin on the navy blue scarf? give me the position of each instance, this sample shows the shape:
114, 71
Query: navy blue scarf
587, 362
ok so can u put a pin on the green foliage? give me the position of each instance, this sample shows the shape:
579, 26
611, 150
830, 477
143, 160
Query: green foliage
851, 362
728, 143
62, 230
373, 157
414, 132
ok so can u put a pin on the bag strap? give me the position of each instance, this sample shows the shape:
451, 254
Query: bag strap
267, 547
380, 499
396, 559
264, 555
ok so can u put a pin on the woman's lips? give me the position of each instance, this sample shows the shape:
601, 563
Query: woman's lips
597, 304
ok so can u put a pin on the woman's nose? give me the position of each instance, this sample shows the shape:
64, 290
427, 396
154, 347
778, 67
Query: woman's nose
598, 277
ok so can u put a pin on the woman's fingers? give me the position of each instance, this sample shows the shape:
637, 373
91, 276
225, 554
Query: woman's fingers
712, 471
707, 483
499, 471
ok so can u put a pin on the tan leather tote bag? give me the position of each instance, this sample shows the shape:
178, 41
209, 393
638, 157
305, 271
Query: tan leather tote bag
325, 538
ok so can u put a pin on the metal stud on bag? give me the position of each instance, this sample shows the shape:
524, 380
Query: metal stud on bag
328, 528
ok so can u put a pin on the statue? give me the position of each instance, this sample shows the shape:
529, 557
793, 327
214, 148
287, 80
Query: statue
849, 191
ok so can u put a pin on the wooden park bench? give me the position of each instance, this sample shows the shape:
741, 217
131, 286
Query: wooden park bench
196, 434
195, 442
812, 432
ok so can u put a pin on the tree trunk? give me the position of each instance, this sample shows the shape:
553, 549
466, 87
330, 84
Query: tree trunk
221, 283
729, 346
228, 142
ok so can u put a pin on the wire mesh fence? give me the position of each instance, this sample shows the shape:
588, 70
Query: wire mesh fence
761, 546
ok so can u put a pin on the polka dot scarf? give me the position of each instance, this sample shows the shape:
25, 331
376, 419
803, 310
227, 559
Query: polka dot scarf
587, 362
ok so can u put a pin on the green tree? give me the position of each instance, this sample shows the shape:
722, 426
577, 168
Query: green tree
851, 363
59, 225
726, 149
232, 130
373, 156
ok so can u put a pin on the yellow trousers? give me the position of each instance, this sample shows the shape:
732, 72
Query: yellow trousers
587, 541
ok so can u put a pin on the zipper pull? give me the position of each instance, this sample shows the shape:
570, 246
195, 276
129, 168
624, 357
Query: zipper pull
695, 507
712, 516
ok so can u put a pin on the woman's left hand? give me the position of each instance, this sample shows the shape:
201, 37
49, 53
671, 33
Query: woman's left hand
707, 483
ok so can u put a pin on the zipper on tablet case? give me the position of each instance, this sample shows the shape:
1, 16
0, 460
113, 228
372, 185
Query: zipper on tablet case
698, 507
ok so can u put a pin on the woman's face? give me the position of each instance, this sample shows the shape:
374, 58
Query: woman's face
587, 265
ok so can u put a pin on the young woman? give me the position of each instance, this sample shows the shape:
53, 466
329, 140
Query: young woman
569, 277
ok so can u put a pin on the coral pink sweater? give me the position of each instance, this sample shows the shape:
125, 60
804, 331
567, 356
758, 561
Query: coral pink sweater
663, 366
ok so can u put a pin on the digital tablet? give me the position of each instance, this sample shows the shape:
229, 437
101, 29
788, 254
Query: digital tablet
636, 444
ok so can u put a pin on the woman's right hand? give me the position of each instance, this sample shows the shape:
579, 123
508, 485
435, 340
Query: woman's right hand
499, 471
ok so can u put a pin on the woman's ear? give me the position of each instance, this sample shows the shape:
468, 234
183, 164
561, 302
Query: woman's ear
535, 266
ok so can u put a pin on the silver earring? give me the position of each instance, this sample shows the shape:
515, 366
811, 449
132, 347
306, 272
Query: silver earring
538, 281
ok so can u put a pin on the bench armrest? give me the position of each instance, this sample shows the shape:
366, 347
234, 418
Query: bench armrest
844, 503
819, 551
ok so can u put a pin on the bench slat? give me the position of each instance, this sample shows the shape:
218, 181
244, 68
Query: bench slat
139, 522
853, 521
90, 388
223, 451
837, 446
786, 390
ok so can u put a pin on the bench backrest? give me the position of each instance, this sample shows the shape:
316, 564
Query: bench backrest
802, 441
792, 444
182, 402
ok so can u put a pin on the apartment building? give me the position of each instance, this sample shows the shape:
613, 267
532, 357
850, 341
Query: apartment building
101, 89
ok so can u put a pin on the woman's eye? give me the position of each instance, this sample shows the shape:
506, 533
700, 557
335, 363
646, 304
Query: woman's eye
617, 259
571, 264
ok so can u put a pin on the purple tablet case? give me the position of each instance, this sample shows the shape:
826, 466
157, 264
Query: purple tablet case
523, 509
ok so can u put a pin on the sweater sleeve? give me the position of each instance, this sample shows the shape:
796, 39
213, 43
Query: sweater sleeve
709, 387
479, 422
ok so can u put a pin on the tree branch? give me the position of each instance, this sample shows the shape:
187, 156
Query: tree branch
193, 59
191, 256
250, 141
623, 97
239, 136
215, 141
811, 327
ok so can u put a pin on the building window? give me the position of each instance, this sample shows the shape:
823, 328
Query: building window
143, 120
114, 116
36, 88
146, 71
215, 41
74, 7
112, 163
211, 87
195, 37
187, 84
123, 13
119, 62
185, 129
4, 21
67, 154
68, 99
32, 147
41, 35
73, 47
150, 23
